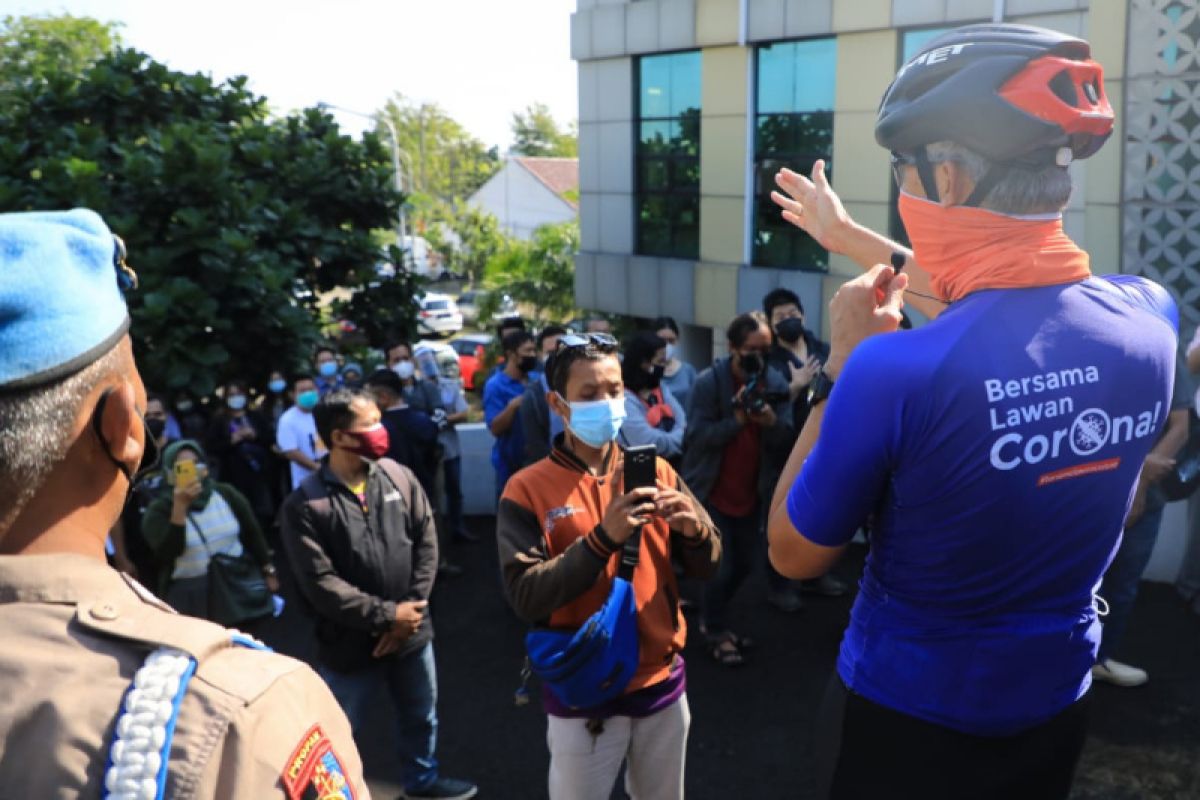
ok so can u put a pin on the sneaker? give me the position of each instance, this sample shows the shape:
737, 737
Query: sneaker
1119, 674
825, 586
444, 789
787, 601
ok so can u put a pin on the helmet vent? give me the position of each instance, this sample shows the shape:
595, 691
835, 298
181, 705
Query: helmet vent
1064, 89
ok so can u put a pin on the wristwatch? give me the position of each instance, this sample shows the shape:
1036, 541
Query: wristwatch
269, 570
819, 388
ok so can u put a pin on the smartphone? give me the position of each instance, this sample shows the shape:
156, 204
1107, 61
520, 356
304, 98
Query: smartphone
185, 474
641, 467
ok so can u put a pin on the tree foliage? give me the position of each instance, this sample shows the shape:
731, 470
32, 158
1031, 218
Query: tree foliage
536, 133
37, 49
467, 236
539, 273
235, 222
447, 162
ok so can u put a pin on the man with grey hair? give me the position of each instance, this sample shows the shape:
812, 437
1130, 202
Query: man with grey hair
996, 448
105, 691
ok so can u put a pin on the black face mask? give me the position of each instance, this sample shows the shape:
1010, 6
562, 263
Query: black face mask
790, 330
528, 364
151, 457
156, 427
752, 363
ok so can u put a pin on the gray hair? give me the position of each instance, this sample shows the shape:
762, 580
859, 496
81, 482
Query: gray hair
1019, 191
35, 431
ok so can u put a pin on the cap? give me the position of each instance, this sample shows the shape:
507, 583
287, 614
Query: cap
61, 301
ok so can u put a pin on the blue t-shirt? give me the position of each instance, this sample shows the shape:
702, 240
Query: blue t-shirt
508, 451
997, 448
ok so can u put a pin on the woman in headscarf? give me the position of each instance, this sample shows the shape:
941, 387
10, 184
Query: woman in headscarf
193, 519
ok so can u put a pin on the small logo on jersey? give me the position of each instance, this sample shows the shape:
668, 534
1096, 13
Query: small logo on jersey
314, 772
555, 514
1089, 431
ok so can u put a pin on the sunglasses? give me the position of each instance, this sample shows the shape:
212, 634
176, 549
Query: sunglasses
574, 340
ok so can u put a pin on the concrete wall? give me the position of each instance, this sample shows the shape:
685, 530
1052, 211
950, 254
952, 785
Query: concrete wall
520, 201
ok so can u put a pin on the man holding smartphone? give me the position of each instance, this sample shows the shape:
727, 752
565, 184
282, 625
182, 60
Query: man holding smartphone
561, 526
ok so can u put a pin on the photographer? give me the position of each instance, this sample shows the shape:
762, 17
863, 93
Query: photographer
739, 420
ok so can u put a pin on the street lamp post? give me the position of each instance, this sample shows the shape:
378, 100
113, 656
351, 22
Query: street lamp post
402, 227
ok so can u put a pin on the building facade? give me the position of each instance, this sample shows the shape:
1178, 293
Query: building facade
688, 107
529, 192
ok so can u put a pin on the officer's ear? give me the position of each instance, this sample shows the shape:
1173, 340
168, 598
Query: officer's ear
120, 425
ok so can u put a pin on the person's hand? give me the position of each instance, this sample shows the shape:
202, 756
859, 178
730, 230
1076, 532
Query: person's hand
739, 413
765, 418
409, 616
628, 512
184, 496
861, 308
802, 376
679, 511
272, 582
516, 401
812, 206
387, 644
1156, 467
1138, 507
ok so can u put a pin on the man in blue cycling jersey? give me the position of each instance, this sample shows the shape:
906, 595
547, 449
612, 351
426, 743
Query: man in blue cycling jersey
997, 447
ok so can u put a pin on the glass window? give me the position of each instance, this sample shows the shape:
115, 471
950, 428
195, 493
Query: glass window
668, 155
793, 128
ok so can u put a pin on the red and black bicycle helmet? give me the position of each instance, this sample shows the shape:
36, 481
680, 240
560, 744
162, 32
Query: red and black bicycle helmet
1015, 94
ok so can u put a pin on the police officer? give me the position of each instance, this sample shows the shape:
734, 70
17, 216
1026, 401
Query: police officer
104, 691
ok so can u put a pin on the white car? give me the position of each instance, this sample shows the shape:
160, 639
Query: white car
439, 315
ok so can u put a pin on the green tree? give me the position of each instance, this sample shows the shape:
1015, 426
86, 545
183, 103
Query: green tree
37, 49
236, 223
447, 161
539, 273
536, 133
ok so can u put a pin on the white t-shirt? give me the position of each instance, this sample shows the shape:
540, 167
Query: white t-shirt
298, 431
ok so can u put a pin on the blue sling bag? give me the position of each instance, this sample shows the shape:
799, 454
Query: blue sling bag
593, 664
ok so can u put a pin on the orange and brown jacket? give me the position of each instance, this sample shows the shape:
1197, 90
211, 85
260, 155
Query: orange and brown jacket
559, 564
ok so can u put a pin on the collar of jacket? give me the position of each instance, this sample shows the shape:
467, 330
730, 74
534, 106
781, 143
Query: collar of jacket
560, 454
330, 479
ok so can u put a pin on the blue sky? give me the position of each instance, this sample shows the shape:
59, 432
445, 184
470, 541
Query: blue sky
479, 59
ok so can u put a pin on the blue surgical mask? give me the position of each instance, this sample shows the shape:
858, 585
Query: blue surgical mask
308, 400
277, 386
236, 401
596, 422
328, 369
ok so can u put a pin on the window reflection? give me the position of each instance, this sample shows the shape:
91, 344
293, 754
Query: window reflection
668, 156
793, 128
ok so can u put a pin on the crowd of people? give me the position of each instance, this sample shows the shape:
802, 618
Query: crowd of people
628, 483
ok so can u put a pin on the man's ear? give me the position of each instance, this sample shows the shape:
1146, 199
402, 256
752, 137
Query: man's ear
122, 426
954, 183
557, 405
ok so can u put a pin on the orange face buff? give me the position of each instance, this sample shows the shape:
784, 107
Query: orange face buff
965, 249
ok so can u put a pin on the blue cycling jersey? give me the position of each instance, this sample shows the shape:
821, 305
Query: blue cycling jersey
997, 448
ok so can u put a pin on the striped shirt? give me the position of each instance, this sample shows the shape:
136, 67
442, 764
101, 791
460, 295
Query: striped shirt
220, 528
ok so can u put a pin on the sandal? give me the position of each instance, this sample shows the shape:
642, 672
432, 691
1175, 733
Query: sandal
725, 651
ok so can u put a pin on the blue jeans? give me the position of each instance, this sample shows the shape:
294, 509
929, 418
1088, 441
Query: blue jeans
1120, 586
412, 682
742, 540
452, 470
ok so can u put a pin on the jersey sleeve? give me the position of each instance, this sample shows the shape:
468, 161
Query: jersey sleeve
1147, 294
844, 476
493, 402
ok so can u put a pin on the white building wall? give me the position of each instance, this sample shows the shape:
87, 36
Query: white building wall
520, 201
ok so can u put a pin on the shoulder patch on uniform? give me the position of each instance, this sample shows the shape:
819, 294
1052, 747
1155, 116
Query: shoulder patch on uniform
314, 771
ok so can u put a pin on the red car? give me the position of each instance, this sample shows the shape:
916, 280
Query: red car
470, 349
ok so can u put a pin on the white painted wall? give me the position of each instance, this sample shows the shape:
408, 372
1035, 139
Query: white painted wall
520, 201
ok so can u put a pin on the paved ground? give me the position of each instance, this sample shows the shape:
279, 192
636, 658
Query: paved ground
752, 729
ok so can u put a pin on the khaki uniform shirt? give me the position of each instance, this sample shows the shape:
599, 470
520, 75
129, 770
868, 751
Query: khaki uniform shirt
72, 634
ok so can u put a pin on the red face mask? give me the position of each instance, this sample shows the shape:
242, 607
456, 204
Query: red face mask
371, 443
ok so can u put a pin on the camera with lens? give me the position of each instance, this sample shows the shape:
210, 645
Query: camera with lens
755, 398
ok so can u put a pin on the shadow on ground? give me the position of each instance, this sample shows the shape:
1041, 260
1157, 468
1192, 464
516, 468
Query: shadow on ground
752, 727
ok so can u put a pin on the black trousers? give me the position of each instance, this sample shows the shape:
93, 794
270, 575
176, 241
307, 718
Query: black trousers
867, 751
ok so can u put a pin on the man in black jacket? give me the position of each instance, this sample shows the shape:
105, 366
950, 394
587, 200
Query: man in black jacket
361, 538
739, 424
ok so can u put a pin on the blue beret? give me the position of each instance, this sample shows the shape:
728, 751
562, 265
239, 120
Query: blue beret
61, 306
